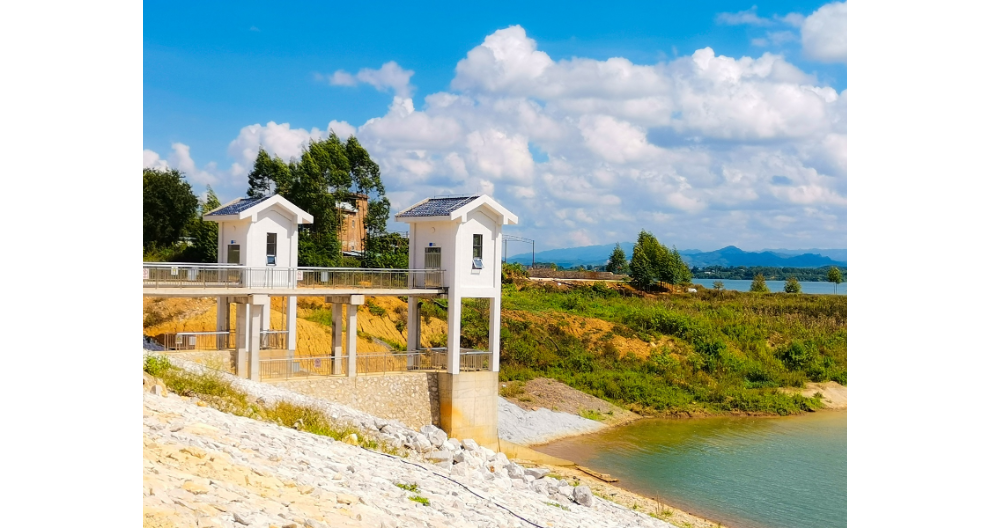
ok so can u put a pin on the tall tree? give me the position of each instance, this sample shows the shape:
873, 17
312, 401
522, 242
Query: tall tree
204, 232
647, 261
759, 284
323, 179
617, 262
169, 205
835, 277
268, 176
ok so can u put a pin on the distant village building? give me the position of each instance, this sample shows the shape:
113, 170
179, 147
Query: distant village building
352, 214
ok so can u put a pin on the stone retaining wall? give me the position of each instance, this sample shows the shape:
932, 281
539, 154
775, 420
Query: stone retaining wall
412, 398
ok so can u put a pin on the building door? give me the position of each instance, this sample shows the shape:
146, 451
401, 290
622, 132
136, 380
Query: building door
432, 262
234, 254
233, 277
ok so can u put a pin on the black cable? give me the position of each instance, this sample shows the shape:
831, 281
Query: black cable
472, 492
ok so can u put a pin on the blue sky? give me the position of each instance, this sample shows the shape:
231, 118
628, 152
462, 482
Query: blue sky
708, 125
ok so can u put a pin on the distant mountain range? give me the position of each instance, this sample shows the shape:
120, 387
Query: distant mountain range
727, 256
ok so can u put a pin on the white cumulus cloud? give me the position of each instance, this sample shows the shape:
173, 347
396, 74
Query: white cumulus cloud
823, 33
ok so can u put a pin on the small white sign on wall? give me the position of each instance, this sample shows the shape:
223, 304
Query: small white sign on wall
147, 274
175, 271
299, 275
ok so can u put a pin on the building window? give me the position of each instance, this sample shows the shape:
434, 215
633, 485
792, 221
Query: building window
270, 250
476, 252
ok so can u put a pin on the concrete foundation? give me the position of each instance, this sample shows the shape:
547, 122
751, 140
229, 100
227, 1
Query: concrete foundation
469, 406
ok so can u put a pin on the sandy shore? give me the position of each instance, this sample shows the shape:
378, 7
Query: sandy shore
535, 426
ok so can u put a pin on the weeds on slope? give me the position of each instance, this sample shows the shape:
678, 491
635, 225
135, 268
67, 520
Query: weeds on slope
211, 387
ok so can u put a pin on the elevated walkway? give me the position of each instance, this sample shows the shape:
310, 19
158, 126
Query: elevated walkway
164, 279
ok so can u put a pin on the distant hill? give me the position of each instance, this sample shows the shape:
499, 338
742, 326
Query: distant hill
579, 256
727, 256
733, 256
838, 255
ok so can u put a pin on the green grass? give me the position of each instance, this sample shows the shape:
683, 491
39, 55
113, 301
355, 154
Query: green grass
592, 414
723, 352
215, 390
554, 504
408, 487
422, 500
375, 310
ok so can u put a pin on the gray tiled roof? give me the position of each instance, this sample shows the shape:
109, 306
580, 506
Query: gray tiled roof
438, 206
238, 206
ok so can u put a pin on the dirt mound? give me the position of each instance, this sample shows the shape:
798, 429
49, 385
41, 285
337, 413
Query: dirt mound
588, 328
556, 396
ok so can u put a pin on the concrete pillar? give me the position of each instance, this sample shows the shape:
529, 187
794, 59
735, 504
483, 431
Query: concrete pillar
254, 350
291, 325
351, 340
290, 335
223, 322
469, 406
242, 339
412, 331
494, 329
266, 314
337, 337
453, 335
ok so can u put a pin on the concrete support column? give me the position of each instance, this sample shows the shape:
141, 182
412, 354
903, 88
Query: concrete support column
453, 335
223, 321
291, 325
242, 339
351, 340
266, 314
412, 330
494, 329
254, 350
337, 337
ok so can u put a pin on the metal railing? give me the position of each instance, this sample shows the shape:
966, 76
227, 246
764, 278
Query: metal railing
369, 278
187, 275
274, 339
370, 364
195, 341
288, 368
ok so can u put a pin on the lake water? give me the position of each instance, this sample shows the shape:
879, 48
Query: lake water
785, 472
776, 286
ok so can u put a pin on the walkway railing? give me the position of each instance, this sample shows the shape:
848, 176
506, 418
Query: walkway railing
369, 364
187, 275
196, 341
274, 339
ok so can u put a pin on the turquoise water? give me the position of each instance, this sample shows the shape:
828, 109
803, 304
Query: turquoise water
743, 472
776, 286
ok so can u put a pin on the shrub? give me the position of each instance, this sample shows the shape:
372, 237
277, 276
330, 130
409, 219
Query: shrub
792, 286
375, 310
759, 284
156, 365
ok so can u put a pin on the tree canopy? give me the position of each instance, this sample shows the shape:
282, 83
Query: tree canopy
652, 262
169, 206
759, 284
320, 182
835, 277
203, 232
792, 286
617, 262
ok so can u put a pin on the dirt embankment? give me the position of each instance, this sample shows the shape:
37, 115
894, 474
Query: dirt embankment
833, 394
556, 396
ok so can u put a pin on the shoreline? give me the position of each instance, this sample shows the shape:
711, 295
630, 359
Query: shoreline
834, 399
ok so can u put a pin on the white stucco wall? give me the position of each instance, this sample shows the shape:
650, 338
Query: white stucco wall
269, 221
478, 223
455, 240
232, 230
441, 235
